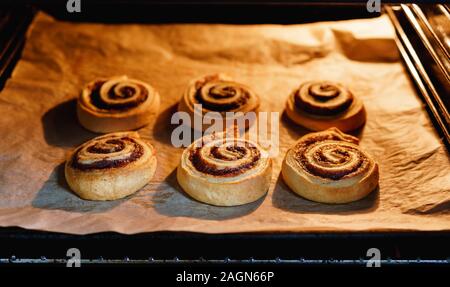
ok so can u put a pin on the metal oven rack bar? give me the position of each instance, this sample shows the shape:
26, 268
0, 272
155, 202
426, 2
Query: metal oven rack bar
423, 37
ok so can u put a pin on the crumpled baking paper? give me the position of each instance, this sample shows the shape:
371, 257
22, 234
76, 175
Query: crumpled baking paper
39, 127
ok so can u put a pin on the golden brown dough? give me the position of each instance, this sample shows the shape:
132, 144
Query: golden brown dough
220, 94
117, 104
330, 167
321, 105
111, 166
224, 171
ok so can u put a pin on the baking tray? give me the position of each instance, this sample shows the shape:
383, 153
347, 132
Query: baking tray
22, 246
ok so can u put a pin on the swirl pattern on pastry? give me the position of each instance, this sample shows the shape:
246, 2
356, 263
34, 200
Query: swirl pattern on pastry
225, 171
110, 151
331, 155
330, 167
223, 96
117, 95
220, 94
323, 98
225, 158
110, 166
319, 105
332, 159
117, 104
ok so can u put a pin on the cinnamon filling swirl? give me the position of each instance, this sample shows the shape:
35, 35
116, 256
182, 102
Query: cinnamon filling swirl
333, 160
331, 155
107, 153
323, 98
117, 96
222, 96
227, 160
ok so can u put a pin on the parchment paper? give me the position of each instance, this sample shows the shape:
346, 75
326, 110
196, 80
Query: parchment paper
38, 125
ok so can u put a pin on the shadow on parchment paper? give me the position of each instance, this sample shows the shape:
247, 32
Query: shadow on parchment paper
358, 132
285, 199
176, 203
56, 194
297, 131
294, 130
61, 127
162, 129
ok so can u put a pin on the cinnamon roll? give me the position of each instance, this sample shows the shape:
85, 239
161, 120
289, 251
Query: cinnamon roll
111, 166
330, 167
224, 171
218, 95
321, 105
117, 104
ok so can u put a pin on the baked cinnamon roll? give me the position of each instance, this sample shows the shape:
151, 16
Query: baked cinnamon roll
330, 167
111, 166
219, 94
224, 171
321, 105
117, 104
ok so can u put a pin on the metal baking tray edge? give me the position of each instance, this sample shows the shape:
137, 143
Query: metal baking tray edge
415, 49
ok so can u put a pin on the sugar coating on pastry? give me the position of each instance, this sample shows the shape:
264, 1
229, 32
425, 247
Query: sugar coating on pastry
117, 104
330, 167
320, 105
111, 166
